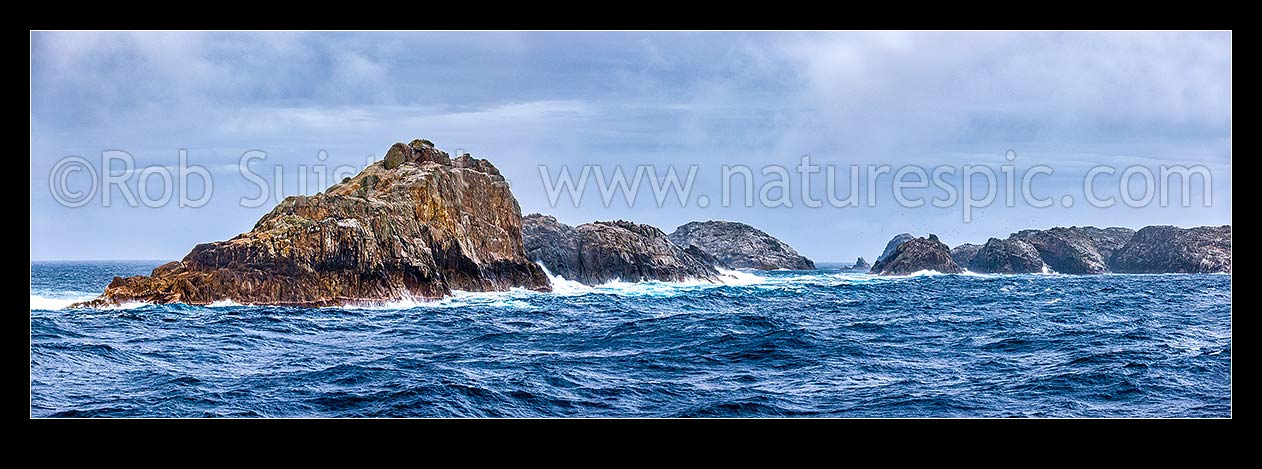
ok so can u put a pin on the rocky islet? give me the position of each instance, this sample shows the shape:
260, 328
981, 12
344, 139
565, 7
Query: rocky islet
740, 246
914, 255
603, 251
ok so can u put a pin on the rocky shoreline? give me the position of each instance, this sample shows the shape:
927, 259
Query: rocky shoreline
421, 224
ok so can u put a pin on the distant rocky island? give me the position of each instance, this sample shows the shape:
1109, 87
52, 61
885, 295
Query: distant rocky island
893, 244
420, 223
740, 246
603, 251
1072, 250
914, 255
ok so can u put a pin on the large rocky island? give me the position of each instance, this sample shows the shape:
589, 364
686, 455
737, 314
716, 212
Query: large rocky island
740, 246
416, 224
604, 251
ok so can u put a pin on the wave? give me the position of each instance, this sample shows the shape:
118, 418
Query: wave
924, 273
53, 304
64, 300
824, 343
127, 305
562, 286
519, 298
739, 278
50, 301
458, 299
565, 287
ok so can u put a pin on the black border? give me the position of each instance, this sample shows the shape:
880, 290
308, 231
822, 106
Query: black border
1189, 436
641, 15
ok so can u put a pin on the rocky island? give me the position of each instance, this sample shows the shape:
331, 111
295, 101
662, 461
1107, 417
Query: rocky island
416, 224
914, 255
604, 251
740, 246
1005, 256
963, 254
893, 244
1088, 250
1166, 249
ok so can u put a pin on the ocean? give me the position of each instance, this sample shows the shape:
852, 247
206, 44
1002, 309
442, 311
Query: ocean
826, 343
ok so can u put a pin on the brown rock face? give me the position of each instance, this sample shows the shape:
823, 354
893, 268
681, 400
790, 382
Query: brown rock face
414, 224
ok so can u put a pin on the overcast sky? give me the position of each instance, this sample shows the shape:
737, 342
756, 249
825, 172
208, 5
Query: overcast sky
1067, 100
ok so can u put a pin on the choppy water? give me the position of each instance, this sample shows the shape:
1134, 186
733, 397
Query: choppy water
823, 343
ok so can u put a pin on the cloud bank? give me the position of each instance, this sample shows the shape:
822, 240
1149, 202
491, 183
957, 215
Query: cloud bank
1070, 100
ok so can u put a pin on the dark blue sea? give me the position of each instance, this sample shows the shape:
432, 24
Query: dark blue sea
768, 344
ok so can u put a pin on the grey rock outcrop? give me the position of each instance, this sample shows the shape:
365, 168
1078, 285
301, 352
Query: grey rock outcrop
602, 251
915, 255
706, 258
1006, 256
861, 264
1077, 250
551, 243
740, 246
963, 254
1169, 249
